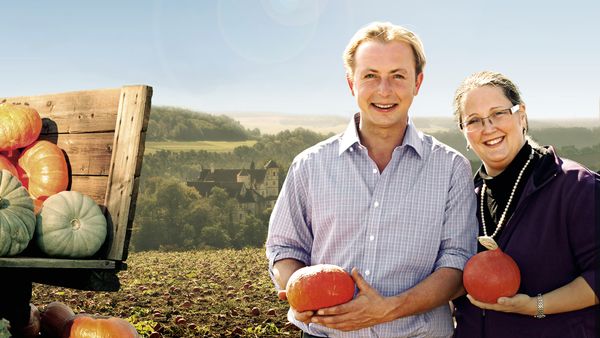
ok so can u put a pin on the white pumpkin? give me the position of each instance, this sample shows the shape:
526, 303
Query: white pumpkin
17, 221
70, 225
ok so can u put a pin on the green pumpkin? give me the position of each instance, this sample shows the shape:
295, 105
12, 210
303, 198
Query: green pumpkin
4, 326
17, 220
70, 225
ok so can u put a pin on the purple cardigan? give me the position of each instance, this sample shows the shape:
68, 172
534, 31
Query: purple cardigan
553, 237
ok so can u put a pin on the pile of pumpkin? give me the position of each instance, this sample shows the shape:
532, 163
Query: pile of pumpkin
59, 321
34, 201
34, 176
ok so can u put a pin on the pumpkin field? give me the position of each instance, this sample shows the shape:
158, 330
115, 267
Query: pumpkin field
204, 293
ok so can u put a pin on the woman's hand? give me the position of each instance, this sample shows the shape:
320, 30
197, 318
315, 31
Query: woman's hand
519, 303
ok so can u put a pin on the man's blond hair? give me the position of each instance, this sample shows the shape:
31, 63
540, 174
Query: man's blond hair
384, 32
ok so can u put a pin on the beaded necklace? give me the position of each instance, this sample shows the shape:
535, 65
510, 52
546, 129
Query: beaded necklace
488, 241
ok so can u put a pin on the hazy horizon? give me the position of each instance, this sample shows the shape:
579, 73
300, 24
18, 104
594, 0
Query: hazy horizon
284, 56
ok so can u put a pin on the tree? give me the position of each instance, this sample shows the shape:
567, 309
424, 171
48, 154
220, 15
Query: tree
170, 215
215, 237
252, 233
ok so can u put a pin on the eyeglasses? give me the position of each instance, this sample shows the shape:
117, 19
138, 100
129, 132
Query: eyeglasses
496, 118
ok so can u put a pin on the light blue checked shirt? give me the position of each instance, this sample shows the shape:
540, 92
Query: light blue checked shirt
396, 226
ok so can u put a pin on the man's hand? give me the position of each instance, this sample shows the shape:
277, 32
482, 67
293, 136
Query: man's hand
304, 317
368, 308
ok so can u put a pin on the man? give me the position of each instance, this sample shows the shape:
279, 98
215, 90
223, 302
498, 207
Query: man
381, 197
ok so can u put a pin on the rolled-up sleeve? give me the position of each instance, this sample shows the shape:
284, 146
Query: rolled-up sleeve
290, 234
459, 235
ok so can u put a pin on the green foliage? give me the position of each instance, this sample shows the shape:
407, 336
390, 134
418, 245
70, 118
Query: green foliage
252, 233
215, 237
169, 214
177, 124
143, 327
281, 148
172, 216
264, 329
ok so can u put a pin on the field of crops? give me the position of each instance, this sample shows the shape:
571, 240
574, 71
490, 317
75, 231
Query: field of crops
211, 146
222, 293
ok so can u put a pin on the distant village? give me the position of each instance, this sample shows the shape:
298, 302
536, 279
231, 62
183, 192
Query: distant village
254, 189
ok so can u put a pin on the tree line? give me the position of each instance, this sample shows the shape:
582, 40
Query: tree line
172, 216
177, 124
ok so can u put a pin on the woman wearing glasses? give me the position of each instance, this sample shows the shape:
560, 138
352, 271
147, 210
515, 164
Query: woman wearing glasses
540, 209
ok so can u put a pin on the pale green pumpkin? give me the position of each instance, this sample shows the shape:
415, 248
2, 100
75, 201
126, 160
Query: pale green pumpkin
17, 220
70, 225
4, 326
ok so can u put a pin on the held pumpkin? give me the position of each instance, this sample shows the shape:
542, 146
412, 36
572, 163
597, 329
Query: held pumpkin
44, 169
70, 225
20, 125
17, 221
490, 275
319, 286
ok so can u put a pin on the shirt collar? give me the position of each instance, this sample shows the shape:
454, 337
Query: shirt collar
412, 137
350, 136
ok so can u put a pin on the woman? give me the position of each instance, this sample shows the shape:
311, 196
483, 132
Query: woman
540, 209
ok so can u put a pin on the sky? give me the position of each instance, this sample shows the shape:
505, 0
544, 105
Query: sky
284, 56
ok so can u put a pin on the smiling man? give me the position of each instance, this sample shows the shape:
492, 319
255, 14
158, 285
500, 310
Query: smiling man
383, 200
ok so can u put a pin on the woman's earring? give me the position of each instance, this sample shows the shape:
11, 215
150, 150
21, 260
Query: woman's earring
468, 147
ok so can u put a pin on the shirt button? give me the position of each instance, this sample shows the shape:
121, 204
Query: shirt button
367, 272
371, 237
374, 171
351, 149
376, 204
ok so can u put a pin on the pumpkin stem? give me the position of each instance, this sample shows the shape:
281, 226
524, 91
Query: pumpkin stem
75, 224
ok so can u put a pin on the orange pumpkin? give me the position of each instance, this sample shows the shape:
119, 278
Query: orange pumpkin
58, 320
85, 326
20, 125
7, 165
54, 320
33, 327
45, 170
319, 286
490, 275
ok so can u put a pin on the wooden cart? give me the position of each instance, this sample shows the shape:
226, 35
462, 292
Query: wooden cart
102, 134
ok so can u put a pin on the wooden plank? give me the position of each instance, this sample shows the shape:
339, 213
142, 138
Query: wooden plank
54, 263
128, 149
93, 186
82, 279
87, 154
136, 186
74, 112
102, 133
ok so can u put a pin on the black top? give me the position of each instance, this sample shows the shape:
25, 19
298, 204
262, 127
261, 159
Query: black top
499, 189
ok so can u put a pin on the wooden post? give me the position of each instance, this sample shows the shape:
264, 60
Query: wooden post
123, 177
